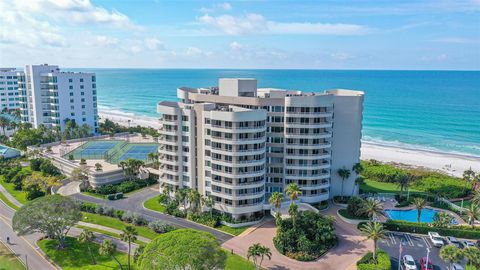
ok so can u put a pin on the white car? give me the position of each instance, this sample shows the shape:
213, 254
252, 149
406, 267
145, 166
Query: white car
436, 239
468, 243
409, 263
456, 266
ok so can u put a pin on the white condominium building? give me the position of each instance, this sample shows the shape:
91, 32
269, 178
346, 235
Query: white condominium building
49, 96
9, 94
239, 144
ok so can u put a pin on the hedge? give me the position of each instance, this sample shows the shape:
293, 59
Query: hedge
383, 261
424, 228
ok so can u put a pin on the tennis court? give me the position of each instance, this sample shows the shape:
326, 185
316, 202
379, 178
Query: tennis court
138, 151
95, 149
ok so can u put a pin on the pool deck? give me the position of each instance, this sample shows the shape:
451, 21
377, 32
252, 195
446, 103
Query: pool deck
455, 215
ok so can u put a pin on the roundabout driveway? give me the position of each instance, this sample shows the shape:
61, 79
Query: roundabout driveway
349, 250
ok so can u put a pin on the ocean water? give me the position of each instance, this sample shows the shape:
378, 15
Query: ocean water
431, 110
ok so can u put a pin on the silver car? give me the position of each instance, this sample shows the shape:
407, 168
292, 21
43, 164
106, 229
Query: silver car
409, 263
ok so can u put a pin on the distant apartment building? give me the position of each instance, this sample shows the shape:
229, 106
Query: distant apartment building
9, 94
49, 96
239, 143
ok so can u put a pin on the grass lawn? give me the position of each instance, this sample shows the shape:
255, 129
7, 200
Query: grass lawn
114, 235
234, 231
344, 213
7, 202
93, 194
116, 224
9, 261
466, 204
18, 194
382, 187
236, 262
154, 205
76, 256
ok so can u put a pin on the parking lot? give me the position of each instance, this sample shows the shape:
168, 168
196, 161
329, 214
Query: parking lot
414, 245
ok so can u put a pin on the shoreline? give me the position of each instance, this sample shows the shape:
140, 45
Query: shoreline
451, 163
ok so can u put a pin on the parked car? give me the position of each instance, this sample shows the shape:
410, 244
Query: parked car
478, 243
456, 266
424, 265
436, 239
467, 243
454, 241
409, 263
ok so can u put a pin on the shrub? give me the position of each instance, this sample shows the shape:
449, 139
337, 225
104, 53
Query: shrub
424, 228
160, 227
301, 256
88, 207
118, 214
353, 207
111, 197
340, 199
99, 209
346, 214
70, 157
138, 219
108, 211
35, 164
83, 161
367, 263
311, 234
127, 217
47, 168
33, 192
119, 196
204, 218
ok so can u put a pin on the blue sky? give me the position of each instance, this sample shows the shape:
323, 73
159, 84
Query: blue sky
318, 34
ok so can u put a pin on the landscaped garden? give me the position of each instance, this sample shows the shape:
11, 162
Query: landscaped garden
9, 261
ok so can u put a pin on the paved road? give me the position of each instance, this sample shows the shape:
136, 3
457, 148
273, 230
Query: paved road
25, 247
415, 245
134, 203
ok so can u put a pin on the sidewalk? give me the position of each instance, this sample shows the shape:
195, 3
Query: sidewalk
10, 197
108, 229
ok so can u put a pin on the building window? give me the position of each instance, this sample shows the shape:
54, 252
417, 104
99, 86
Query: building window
71, 94
81, 86
70, 80
83, 106
70, 87
81, 79
93, 79
72, 114
83, 100
82, 93
84, 119
71, 100
94, 85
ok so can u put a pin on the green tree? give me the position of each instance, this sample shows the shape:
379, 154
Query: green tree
98, 167
183, 249
419, 204
472, 214
442, 220
476, 197
181, 195
472, 254
129, 235
468, 176
371, 208
344, 173
451, 254
153, 157
45, 182
194, 198
108, 248
4, 123
373, 231
256, 252
293, 191
87, 237
209, 203
51, 215
276, 200
131, 167
138, 252
403, 181
81, 174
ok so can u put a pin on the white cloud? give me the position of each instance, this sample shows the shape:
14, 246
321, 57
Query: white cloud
195, 51
257, 24
105, 41
135, 49
154, 44
76, 12
222, 6
236, 46
455, 40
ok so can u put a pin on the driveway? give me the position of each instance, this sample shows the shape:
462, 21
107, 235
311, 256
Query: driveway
134, 203
349, 250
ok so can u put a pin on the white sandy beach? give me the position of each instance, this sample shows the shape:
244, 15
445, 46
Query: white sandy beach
453, 164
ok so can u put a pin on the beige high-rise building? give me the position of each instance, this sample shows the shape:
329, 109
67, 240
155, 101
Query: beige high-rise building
239, 143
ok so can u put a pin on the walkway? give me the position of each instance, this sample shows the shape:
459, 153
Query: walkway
108, 229
134, 203
10, 197
349, 250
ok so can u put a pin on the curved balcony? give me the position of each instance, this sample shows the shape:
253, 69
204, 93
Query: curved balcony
232, 175
238, 153
322, 135
307, 125
238, 163
237, 130
309, 167
308, 146
232, 196
308, 157
309, 177
238, 185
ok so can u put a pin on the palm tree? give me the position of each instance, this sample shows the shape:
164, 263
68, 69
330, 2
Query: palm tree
4, 123
344, 173
419, 204
371, 207
358, 181
107, 248
195, 199
87, 237
451, 254
98, 166
476, 197
442, 219
293, 191
403, 181
153, 157
129, 235
209, 203
257, 251
472, 214
167, 189
373, 231
468, 176
472, 254
276, 200
181, 195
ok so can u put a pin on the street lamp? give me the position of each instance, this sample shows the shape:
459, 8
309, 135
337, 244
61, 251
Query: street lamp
428, 255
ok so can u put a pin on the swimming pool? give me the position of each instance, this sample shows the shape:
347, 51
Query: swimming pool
411, 215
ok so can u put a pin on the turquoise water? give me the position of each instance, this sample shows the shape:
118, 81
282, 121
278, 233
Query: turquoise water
432, 110
411, 215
